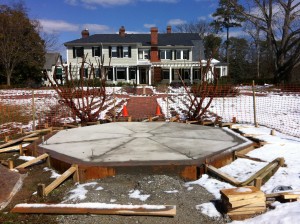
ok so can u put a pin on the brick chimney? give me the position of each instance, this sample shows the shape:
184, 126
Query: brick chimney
154, 42
85, 33
122, 31
154, 36
169, 29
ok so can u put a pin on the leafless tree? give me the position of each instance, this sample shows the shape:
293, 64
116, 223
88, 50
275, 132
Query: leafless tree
82, 96
201, 27
280, 22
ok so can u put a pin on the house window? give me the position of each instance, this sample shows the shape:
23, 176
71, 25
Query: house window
78, 52
84, 72
126, 51
97, 72
132, 73
109, 73
58, 73
186, 74
196, 74
166, 74
166, 54
182, 54
114, 52
96, 51
144, 54
121, 73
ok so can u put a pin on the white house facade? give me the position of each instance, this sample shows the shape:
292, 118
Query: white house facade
143, 58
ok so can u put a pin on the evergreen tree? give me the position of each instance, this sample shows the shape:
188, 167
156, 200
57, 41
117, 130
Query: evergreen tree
227, 16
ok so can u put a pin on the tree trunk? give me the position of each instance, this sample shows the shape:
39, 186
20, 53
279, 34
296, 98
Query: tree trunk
8, 77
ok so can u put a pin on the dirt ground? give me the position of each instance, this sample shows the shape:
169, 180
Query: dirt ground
115, 190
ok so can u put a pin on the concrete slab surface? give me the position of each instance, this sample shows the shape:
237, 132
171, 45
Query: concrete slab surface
141, 141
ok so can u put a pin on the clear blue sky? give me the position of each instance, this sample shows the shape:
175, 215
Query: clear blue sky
67, 18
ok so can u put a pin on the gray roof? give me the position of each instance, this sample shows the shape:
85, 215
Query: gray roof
184, 39
51, 59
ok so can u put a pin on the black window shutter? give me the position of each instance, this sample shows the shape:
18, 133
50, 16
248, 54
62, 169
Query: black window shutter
159, 54
188, 55
80, 52
93, 53
175, 55
74, 52
110, 51
98, 52
129, 51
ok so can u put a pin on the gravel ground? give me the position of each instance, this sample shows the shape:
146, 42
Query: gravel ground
116, 190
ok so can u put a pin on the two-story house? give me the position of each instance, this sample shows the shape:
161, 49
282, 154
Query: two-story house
143, 58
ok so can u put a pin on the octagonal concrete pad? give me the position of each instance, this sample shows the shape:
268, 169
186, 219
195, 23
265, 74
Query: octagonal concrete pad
141, 141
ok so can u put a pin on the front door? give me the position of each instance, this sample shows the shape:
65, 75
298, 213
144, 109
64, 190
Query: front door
143, 76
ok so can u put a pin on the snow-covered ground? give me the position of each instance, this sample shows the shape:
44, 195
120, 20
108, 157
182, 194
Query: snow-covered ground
274, 111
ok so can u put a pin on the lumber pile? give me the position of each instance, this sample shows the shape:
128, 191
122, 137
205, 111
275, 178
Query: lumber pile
243, 202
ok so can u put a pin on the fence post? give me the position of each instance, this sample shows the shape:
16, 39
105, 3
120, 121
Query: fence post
33, 112
254, 104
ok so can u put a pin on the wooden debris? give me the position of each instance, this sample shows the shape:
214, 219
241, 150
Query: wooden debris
17, 140
40, 131
97, 208
285, 196
241, 202
221, 125
31, 139
33, 161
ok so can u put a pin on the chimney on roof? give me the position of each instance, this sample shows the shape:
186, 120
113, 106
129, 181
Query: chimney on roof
122, 31
154, 35
85, 33
169, 29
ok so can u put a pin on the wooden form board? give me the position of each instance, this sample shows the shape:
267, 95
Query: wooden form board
236, 194
95, 208
31, 162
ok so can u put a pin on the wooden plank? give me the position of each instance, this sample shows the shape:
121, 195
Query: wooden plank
241, 193
31, 139
17, 140
11, 148
278, 194
245, 209
33, 161
97, 208
239, 203
240, 155
224, 176
40, 131
290, 196
61, 179
246, 212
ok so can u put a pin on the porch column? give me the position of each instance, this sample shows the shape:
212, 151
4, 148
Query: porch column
170, 75
114, 75
149, 75
138, 76
191, 74
127, 74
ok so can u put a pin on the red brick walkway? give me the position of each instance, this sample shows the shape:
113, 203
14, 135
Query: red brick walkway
142, 107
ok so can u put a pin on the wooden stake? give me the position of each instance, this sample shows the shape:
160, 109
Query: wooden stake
21, 150
10, 164
6, 139
254, 104
272, 132
41, 190
258, 182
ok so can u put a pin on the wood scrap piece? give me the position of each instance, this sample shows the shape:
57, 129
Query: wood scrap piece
31, 139
17, 140
33, 161
97, 208
40, 131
